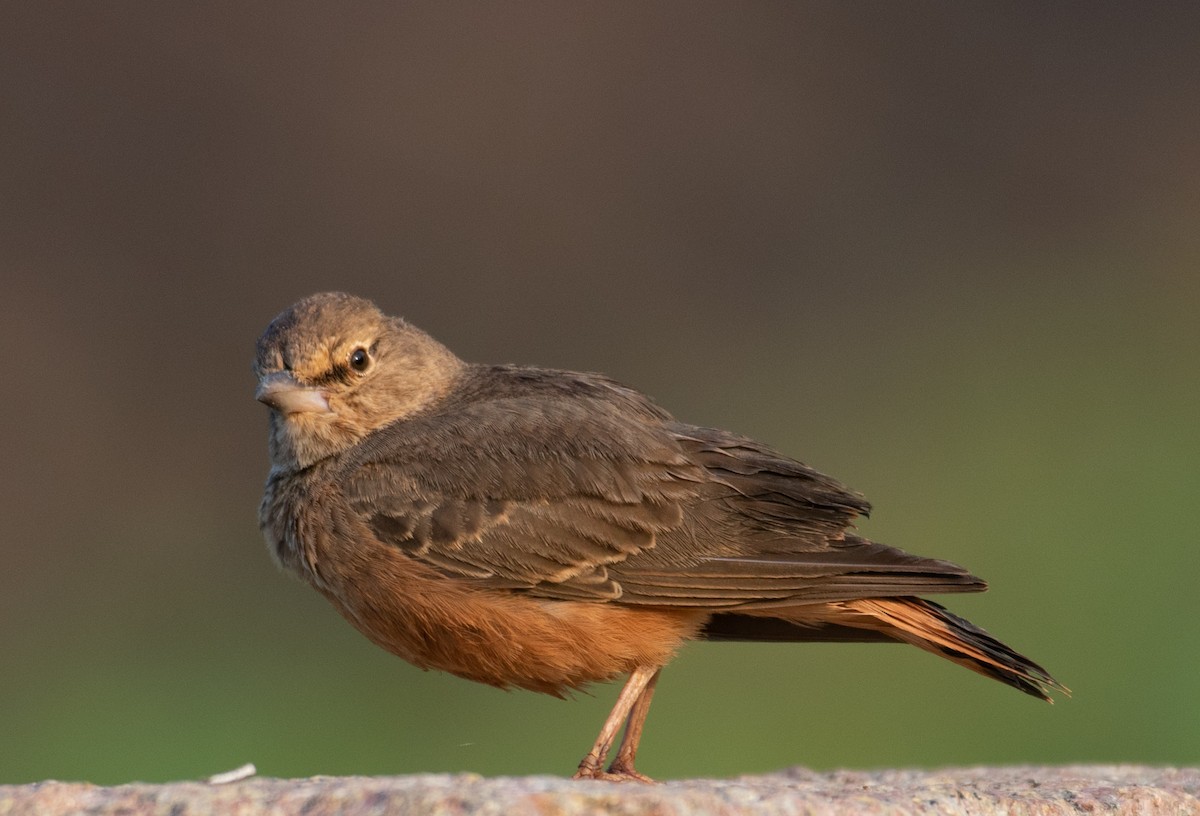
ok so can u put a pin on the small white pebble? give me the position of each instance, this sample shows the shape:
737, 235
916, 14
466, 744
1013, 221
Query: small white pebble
236, 775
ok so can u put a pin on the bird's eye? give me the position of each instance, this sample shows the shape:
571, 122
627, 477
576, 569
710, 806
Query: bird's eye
359, 359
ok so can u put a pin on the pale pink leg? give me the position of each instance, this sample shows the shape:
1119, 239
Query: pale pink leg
592, 766
627, 752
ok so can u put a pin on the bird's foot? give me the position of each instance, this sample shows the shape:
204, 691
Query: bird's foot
625, 772
619, 771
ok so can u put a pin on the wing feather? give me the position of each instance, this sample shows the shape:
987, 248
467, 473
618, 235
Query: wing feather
579, 489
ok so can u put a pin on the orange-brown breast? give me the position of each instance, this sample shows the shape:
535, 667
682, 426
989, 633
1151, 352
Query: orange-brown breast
499, 637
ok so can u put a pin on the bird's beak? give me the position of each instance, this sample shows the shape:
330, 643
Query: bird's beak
281, 391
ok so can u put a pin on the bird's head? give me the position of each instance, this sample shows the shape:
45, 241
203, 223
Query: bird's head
333, 368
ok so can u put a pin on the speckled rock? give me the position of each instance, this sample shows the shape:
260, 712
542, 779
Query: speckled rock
1016, 790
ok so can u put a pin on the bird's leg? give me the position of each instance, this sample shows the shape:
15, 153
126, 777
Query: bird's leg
623, 764
592, 766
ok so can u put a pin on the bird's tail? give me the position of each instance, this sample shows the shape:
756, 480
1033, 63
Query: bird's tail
931, 627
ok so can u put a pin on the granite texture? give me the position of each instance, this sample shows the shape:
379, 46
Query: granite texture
1009, 790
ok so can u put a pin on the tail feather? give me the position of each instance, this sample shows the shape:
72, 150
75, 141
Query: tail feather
931, 627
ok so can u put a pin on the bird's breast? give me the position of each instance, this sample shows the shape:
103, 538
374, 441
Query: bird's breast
290, 517
502, 637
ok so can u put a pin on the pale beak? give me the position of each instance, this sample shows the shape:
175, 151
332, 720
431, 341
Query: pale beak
281, 391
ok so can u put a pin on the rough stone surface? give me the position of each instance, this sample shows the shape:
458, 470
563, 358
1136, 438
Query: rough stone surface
1016, 790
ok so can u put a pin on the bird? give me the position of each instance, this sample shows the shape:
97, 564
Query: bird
544, 529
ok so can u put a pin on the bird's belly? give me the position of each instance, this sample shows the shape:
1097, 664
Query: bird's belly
501, 637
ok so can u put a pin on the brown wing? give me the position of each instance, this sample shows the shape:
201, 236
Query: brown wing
598, 496
772, 532
540, 492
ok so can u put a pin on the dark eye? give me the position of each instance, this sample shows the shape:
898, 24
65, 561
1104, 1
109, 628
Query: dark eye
359, 359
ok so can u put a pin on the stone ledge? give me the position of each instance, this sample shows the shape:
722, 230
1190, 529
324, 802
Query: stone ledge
1023, 791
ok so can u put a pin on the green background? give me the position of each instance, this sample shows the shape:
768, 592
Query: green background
947, 253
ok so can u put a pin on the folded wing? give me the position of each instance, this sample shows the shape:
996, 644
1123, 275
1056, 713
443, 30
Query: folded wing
596, 495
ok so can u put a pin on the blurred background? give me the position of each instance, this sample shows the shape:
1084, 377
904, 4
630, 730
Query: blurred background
947, 253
